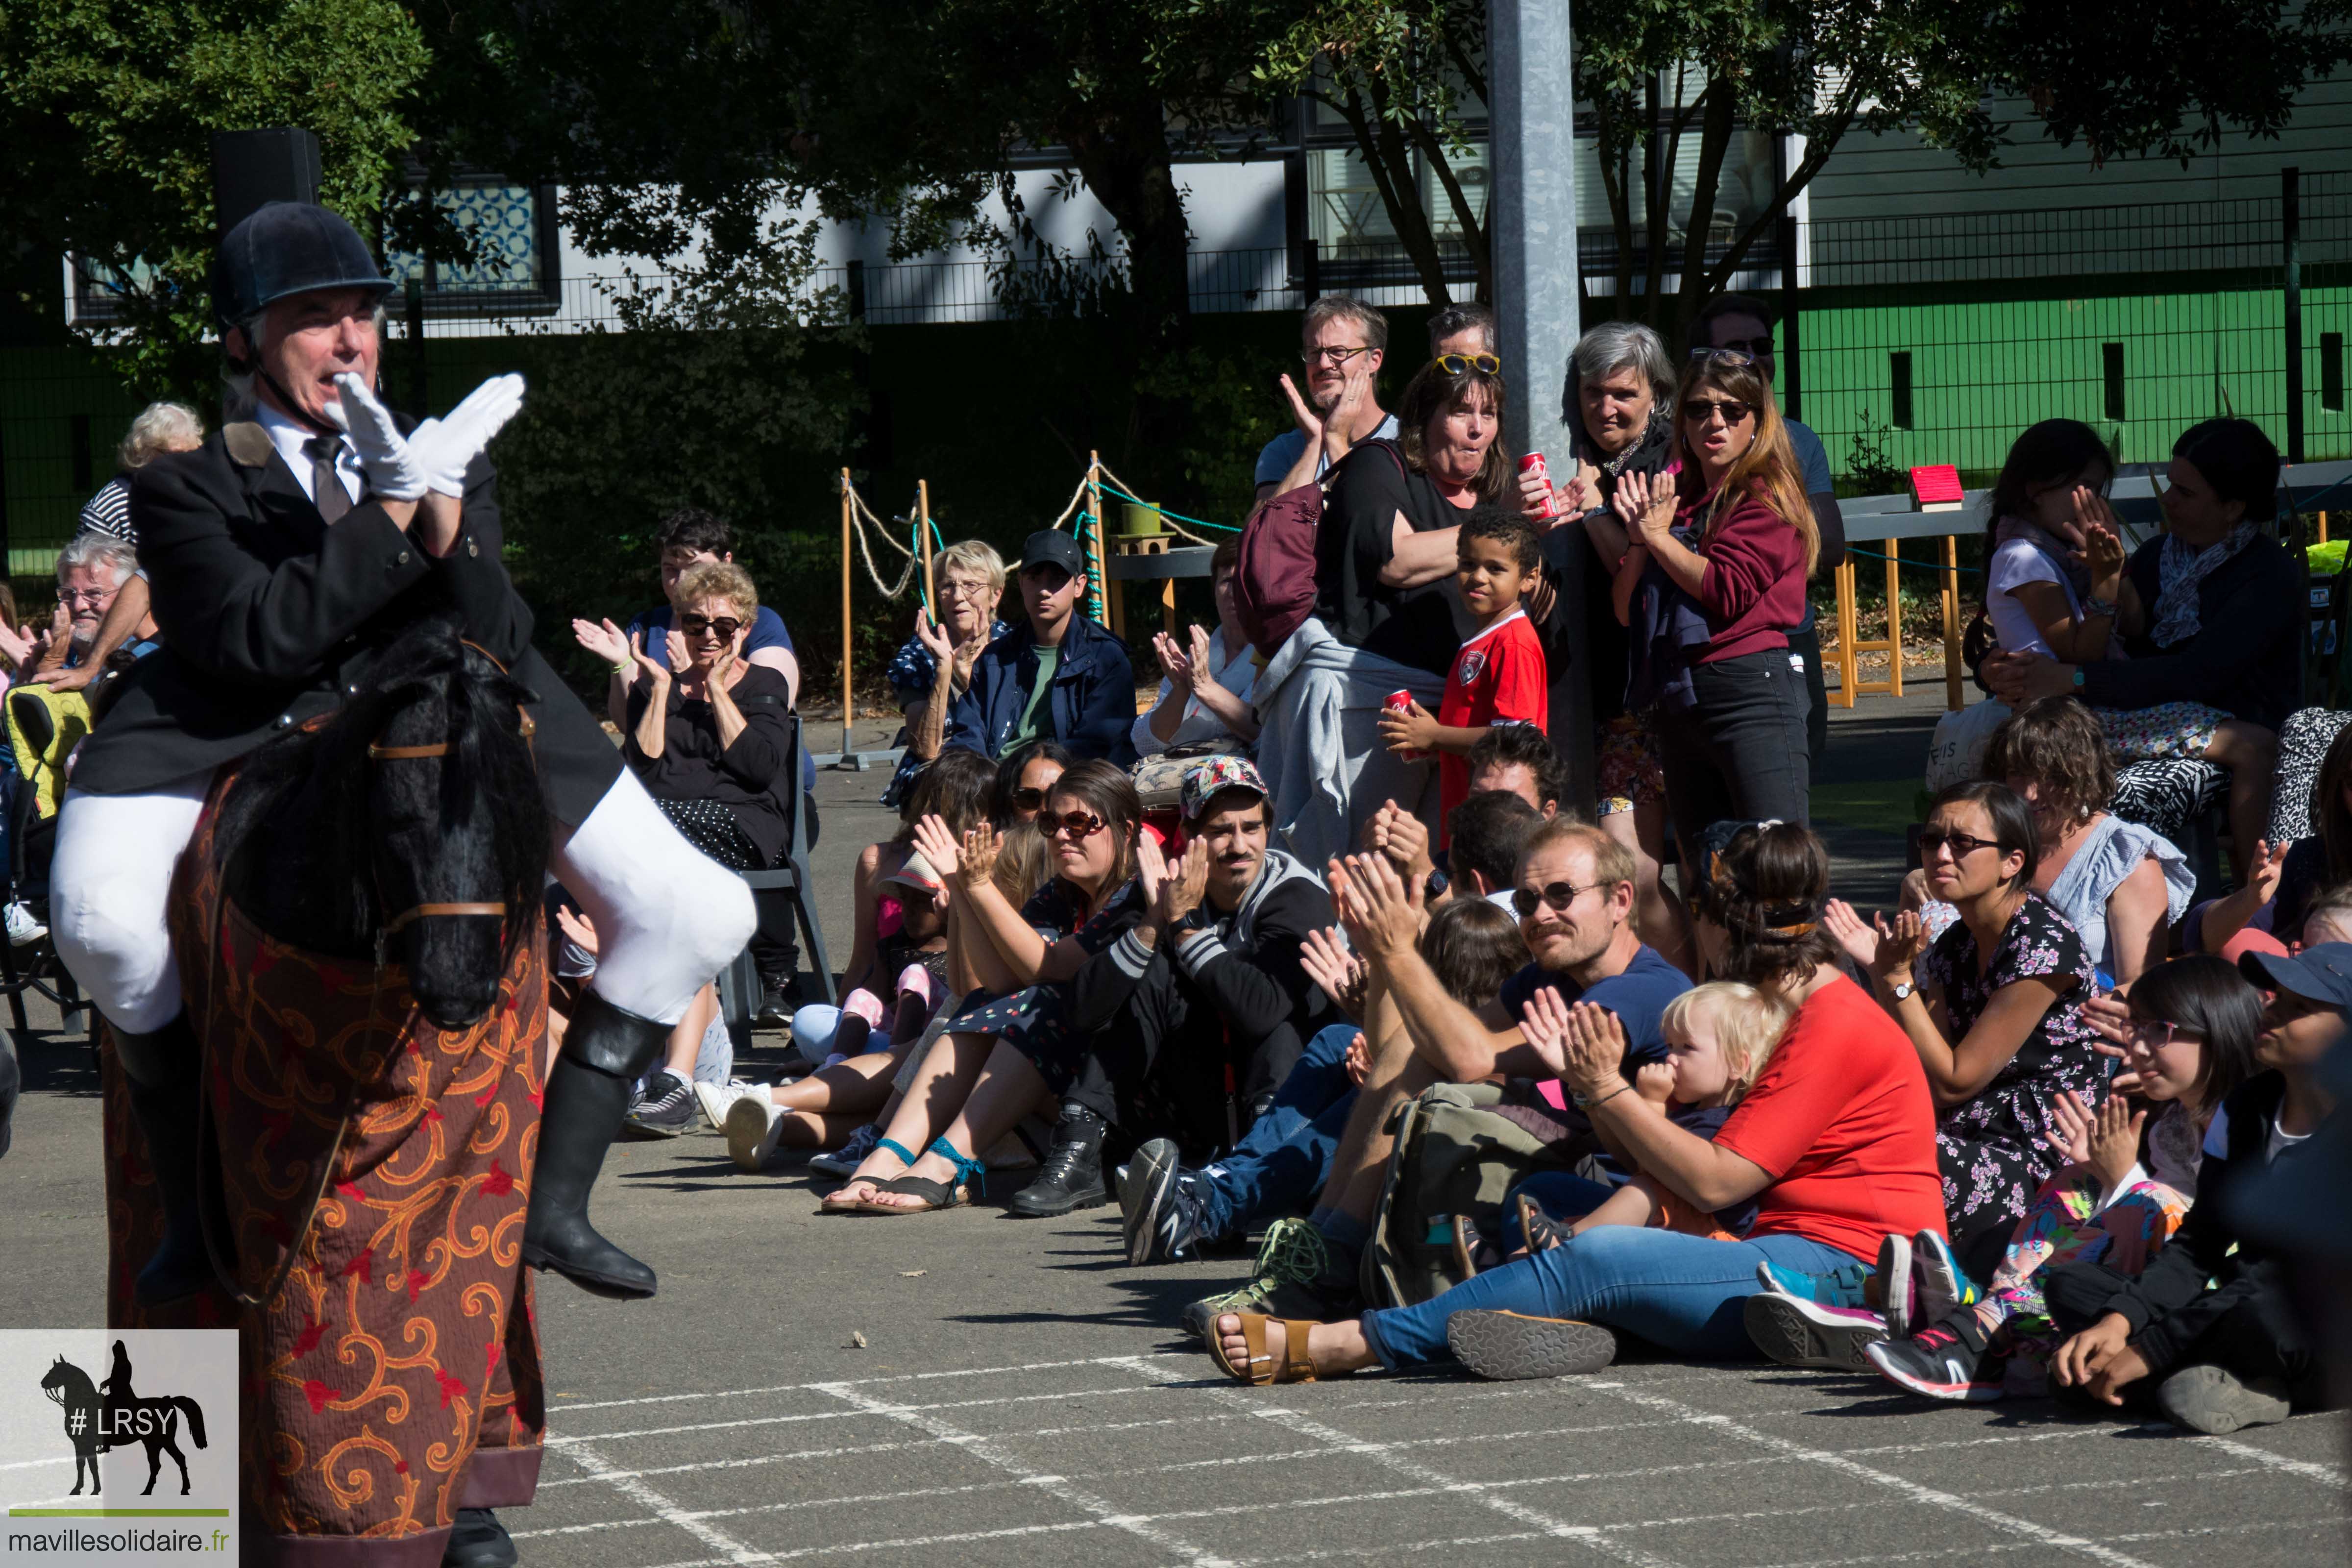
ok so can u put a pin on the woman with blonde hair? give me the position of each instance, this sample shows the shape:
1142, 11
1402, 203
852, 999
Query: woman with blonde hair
1714, 576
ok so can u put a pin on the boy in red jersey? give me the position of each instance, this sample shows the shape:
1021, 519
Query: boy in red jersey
1498, 675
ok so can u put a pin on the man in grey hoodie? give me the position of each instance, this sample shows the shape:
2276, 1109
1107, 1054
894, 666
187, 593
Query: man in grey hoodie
1206, 1005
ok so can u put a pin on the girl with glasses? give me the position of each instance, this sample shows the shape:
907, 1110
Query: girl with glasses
1994, 1009
1028, 968
1712, 575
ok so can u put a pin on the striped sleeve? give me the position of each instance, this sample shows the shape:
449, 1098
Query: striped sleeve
108, 513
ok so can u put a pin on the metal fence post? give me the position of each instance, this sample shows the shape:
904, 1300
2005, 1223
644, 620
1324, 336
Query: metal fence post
418, 385
1310, 273
2291, 235
1791, 388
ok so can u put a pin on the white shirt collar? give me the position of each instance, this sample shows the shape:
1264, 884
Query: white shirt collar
290, 439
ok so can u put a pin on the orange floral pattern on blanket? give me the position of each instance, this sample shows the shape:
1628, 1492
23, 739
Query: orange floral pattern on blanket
376, 1173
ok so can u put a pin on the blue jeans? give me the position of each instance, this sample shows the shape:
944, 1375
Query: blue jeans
1284, 1158
1682, 1293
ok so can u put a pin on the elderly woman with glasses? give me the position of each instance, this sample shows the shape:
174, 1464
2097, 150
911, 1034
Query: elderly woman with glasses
711, 734
932, 668
1712, 575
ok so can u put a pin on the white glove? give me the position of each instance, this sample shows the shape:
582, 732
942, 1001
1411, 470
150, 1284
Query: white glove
391, 469
445, 448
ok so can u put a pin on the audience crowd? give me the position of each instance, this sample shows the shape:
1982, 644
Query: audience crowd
1247, 954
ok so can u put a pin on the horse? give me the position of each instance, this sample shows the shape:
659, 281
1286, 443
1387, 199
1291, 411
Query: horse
407, 829
125, 1418
67, 1386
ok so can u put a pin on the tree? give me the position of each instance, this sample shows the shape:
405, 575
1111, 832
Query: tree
106, 106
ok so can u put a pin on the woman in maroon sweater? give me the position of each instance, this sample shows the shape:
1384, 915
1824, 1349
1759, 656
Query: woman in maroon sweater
1717, 570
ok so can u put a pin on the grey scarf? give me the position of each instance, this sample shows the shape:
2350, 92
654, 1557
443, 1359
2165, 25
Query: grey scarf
2180, 569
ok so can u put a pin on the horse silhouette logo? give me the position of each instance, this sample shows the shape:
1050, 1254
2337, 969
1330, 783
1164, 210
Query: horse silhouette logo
116, 1417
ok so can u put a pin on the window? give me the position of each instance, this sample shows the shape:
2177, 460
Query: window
1898, 365
2331, 370
512, 229
2110, 364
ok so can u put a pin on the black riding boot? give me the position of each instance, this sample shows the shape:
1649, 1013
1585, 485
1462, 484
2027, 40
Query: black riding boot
1071, 1177
604, 1051
164, 1071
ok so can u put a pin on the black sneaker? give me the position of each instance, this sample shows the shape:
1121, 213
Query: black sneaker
1939, 1364
477, 1539
1071, 1177
1167, 1221
777, 1001
667, 1111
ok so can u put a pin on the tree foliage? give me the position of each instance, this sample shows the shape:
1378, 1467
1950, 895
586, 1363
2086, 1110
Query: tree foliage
107, 108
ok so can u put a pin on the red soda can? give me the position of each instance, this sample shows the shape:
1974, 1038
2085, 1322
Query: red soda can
1401, 702
1533, 463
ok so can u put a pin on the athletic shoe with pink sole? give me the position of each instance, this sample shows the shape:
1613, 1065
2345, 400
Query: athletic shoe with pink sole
1797, 1333
1937, 1363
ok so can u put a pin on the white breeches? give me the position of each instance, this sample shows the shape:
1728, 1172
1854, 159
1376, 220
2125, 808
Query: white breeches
667, 917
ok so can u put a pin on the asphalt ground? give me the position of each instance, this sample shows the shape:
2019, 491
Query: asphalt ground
1022, 1396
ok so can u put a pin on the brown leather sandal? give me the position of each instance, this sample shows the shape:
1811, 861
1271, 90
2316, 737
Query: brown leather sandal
1260, 1369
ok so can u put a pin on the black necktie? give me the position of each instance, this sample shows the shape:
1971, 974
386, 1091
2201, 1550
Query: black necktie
326, 485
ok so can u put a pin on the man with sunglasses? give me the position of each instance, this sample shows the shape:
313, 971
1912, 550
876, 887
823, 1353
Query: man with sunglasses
1058, 676
1343, 341
1742, 323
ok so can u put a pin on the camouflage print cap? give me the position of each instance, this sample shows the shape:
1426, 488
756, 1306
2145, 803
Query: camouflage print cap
1211, 777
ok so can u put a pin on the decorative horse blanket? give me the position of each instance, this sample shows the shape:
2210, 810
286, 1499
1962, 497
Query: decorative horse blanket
375, 1172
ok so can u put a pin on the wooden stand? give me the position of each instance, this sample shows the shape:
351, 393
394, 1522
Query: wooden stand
1146, 544
1851, 646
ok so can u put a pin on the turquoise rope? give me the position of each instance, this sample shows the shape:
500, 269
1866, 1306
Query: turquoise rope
972, 1172
1921, 565
1197, 522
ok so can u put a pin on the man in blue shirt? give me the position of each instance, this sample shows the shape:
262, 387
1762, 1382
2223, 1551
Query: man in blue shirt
1744, 323
1057, 675
1341, 341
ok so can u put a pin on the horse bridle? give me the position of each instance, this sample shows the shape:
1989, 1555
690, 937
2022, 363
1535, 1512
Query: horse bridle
378, 753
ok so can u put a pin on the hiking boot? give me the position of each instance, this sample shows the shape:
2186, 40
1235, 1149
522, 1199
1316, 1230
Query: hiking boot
1167, 1219
1940, 1364
1071, 1178
1838, 1287
1806, 1333
2216, 1402
1299, 1274
667, 1111
477, 1539
755, 1124
1507, 1347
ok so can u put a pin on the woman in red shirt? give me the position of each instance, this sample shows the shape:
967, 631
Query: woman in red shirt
1715, 572
1835, 1143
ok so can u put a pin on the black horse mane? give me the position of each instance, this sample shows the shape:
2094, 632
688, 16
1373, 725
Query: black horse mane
300, 814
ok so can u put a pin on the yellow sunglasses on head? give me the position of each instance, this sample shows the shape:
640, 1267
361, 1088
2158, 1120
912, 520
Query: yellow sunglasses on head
1462, 364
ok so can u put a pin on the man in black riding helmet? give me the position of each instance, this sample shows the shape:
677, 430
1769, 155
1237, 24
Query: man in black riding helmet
283, 554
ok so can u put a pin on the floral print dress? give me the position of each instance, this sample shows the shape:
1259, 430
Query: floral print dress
1994, 1149
1035, 1019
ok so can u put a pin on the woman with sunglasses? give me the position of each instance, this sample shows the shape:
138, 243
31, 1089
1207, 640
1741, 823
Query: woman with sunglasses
1031, 964
1714, 575
1994, 1009
709, 733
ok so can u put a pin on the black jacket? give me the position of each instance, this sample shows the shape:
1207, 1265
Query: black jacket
270, 616
2246, 657
2170, 1306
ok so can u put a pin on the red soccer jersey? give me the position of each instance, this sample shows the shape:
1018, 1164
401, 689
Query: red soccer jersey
1498, 678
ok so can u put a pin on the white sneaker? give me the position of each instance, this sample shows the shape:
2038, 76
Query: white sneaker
752, 1126
843, 1162
23, 929
716, 1099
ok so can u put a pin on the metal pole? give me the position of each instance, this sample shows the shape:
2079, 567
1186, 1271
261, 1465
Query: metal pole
1788, 388
417, 386
847, 521
1532, 153
2291, 232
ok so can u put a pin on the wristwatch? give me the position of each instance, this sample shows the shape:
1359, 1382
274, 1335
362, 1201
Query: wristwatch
2078, 678
1901, 990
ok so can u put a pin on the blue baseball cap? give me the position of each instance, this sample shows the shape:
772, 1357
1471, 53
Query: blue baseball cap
2321, 973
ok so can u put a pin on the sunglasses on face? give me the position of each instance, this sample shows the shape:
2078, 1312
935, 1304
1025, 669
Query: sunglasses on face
1331, 356
1557, 896
1077, 823
1698, 410
1028, 799
1963, 844
695, 626
1462, 364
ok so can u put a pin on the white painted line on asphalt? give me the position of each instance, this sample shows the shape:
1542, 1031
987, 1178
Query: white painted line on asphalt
1307, 1425
2135, 1538
730, 1549
567, 1407
2325, 1475
2040, 1534
879, 1409
1063, 1491
1399, 1550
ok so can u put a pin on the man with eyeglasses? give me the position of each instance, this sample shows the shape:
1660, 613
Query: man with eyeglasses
1343, 341
1574, 898
1057, 675
91, 571
1743, 322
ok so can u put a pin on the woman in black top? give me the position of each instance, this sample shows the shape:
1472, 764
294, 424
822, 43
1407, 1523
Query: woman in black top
710, 734
1384, 553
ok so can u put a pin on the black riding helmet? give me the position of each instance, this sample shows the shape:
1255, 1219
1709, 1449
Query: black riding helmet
288, 248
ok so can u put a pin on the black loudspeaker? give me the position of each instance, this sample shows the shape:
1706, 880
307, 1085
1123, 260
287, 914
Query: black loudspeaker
250, 167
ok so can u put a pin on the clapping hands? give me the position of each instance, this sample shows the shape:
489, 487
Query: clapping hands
1324, 955
1647, 511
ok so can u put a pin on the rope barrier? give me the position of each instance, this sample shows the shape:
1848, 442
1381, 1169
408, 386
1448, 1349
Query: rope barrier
1171, 517
1921, 565
864, 515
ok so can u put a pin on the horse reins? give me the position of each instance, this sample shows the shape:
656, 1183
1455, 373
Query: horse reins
382, 754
